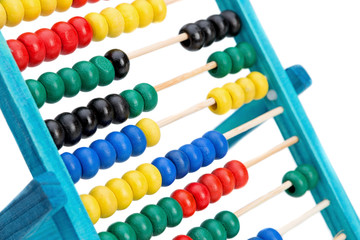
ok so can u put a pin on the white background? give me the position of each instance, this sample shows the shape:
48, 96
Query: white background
321, 35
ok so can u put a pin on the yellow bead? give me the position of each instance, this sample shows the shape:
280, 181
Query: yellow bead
145, 11
14, 12
151, 130
63, 5
159, 8
106, 199
115, 21
261, 84
153, 177
92, 207
3, 16
48, 7
137, 182
248, 87
122, 191
223, 101
99, 26
131, 16
237, 94
32, 9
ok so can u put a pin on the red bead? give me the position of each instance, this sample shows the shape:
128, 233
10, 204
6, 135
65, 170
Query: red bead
83, 29
214, 186
51, 41
35, 48
78, 3
19, 53
93, 1
186, 201
200, 193
240, 173
68, 36
226, 178
182, 237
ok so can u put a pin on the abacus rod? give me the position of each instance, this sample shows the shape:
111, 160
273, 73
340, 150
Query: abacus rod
185, 76
256, 121
289, 142
286, 185
340, 236
168, 2
318, 208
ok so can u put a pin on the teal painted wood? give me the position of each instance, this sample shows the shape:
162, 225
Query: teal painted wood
39, 151
294, 122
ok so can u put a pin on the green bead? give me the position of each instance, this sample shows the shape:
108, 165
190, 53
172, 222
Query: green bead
299, 183
122, 231
157, 217
38, 91
248, 52
106, 70
230, 222
173, 211
54, 86
141, 225
107, 236
135, 101
199, 233
237, 59
215, 228
89, 75
224, 64
149, 95
310, 173
71, 80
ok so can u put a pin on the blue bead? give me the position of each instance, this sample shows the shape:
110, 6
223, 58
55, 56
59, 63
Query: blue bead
121, 144
105, 151
181, 162
207, 149
73, 166
195, 156
255, 238
137, 139
269, 234
220, 143
167, 170
89, 161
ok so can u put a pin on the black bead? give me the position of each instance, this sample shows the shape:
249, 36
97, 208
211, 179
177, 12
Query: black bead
72, 127
221, 25
196, 38
234, 22
87, 119
209, 31
57, 132
120, 106
120, 61
103, 111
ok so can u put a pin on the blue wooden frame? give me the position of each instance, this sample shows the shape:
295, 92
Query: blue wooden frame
66, 218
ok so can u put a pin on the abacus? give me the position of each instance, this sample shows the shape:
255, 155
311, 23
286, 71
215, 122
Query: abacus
62, 215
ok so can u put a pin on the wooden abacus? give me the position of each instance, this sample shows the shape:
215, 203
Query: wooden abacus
61, 214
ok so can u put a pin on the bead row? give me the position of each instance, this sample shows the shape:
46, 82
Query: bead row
268, 234
101, 112
203, 33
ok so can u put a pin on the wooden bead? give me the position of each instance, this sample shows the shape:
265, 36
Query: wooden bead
196, 37
56, 131
72, 81
79, 3
99, 26
261, 84
107, 236
299, 183
153, 177
249, 88
92, 207
149, 95
14, 11
173, 211
182, 237
181, 162
221, 25
137, 182
214, 185
240, 173
145, 11
122, 231
237, 94
226, 178
68, 36
208, 30
151, 130
141, 225
73, 166
167, 170
207, 149
230, 222
224, 64
186, 201
219, 142
310, 174
106, 200
83, 29
137, 139
269, 234
120, 106
115, 21
131, 16
106, 70
105, 151
248, 52
19, 53
52, 43
32, 9
234, 22
89, 161
201, 195
215, 228
72, 127
120, 61
63, 5
195, 156
3, 16
89, 75
122, 192
222, 99
199, 233
103, 111
35, 48
135, 101
237, 59
88, 121
48, 7
159, 8
54, 86
157, 217
38, 91
122, 145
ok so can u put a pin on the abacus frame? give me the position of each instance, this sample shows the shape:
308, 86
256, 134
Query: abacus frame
58, 211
